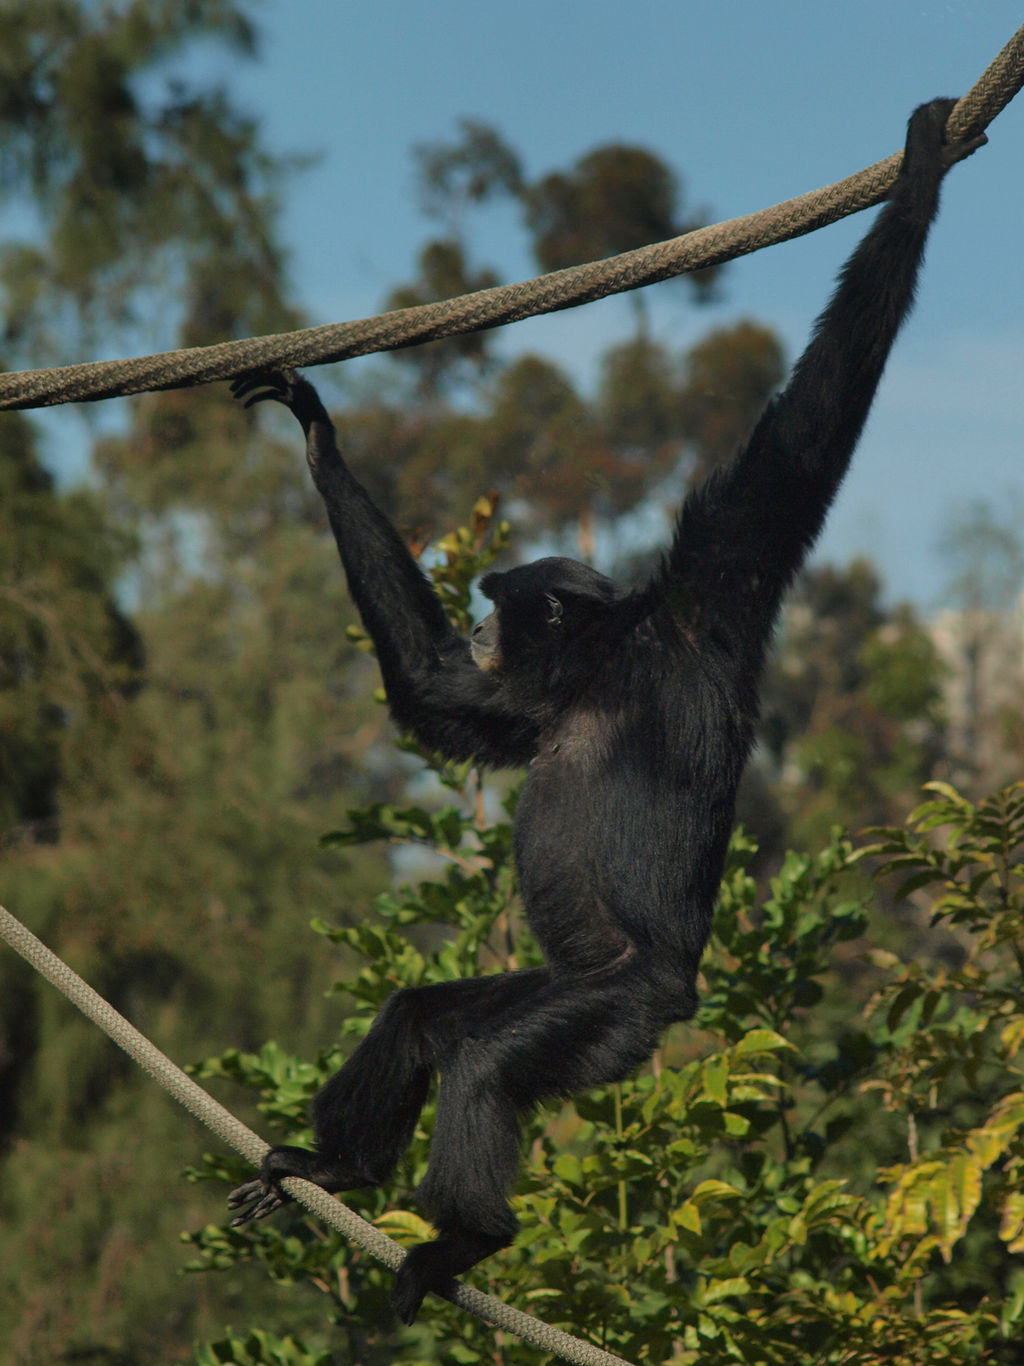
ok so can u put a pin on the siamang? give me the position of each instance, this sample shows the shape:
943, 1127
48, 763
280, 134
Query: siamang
633, 713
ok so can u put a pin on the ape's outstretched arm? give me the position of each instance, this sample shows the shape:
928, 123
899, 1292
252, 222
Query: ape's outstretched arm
433, 687
742, 536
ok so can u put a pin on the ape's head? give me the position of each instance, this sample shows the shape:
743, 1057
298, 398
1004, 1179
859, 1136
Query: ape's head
541, 610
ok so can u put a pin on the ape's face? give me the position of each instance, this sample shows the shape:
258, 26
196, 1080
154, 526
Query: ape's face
485, 643
538, 609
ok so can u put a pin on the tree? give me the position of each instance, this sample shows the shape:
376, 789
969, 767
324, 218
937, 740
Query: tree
639, 406
985, 556
66, 649
853, 716
729, 376
980, 636
137, 183
443, 274
162, 796
614, 199
477, 167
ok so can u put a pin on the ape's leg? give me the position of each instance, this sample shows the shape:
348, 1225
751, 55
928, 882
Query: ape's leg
572, 1034
363, 1118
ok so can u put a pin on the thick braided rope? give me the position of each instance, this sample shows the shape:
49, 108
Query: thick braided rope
211, 1113
509, 303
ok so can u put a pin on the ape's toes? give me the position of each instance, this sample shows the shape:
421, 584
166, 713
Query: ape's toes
260, 1199
242, 1195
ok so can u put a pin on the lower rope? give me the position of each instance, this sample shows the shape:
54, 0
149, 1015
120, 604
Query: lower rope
240, 1137
489, 308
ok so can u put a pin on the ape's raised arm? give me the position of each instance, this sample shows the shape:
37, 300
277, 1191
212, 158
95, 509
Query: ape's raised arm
744, 533
434, 689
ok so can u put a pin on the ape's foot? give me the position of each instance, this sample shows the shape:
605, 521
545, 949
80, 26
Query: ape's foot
262, 1200
434, 1266
264, 1195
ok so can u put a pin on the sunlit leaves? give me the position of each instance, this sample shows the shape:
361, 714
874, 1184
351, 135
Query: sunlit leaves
945, 1027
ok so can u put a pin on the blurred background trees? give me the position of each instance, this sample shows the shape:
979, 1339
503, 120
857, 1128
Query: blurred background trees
181, 716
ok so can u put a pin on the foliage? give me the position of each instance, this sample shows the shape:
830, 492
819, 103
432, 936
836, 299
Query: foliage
950, 1034
981, 635
728, 377
67, 653
444, 273
657, 420
985, 555
853, 722
261, 1349
613, 199
162, 780
477, 167
726, 1205
139, 183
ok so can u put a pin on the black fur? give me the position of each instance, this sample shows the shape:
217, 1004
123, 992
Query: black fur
635, 713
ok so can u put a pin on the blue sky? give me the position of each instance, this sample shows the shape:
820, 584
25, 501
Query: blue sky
751, 103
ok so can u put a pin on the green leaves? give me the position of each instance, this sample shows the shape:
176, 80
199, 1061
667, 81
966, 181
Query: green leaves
260, 1349
975, 873
767, 962
773, 1189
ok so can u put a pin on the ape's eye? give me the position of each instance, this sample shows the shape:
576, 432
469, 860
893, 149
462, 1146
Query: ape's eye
554, 616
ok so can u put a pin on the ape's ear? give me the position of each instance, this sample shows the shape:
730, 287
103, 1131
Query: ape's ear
555, 610
489, 586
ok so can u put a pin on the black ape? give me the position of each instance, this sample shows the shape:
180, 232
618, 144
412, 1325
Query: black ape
635, 713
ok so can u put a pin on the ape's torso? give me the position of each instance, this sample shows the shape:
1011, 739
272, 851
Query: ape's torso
624, 818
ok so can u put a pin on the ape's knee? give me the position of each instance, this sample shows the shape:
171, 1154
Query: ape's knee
400, 1026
